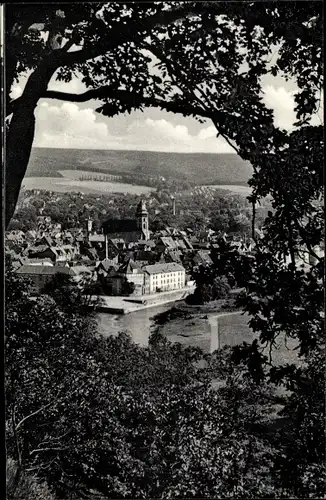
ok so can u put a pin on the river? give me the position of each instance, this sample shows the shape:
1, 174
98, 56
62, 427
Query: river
200, 331
209, 332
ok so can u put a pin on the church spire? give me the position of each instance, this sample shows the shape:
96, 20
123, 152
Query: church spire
142, 218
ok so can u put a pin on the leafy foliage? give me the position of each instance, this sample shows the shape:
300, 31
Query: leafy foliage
85, 411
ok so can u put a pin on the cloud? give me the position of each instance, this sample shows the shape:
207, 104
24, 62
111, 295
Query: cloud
207, 133
281, 101
162, 135
66, 125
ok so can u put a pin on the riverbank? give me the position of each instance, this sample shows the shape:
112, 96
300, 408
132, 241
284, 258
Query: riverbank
215, 325
192, 324
127, 305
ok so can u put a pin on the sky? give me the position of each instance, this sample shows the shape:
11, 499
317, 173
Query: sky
76, 125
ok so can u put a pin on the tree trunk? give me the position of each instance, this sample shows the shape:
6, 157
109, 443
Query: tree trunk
19, 142
21, 131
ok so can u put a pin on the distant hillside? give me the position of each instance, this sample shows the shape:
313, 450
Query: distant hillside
197, 168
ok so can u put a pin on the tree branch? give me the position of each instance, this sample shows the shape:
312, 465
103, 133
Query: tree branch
31, 415
128, 32
109, 92
19, 458
38, 450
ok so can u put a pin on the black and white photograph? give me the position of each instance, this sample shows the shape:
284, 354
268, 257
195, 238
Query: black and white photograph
164, 237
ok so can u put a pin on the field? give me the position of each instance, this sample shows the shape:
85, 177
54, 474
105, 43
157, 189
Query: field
198, 168
244, 190
66, 185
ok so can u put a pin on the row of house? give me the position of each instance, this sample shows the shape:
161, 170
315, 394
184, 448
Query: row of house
124, 252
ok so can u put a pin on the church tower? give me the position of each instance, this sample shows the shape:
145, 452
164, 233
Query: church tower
142, 219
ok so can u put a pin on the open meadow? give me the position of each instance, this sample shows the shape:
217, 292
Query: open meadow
68, 185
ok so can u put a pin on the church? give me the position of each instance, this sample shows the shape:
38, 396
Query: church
130, 230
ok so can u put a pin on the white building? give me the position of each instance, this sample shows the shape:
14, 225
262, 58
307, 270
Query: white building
164, 277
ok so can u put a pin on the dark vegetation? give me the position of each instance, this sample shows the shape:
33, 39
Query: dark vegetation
95, 404
196, 168
219, 210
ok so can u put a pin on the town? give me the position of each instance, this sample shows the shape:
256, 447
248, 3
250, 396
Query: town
123, 257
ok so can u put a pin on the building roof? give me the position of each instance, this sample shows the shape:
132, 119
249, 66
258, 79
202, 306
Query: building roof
106, 264
35, 262
168, 242
11, 237
181, 244
145, 255
120, 226
58, 251
117, 241
129, 266
92, 252
47, 239
187, 243
175, 255
148, 243
39, 249
81, 269
32, 233
127, 236
45, 270
69, 248
163, 268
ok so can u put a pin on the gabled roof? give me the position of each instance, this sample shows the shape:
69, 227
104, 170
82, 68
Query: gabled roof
70, 248
45, 270
168, 242
187, 243
163, 268
181, 244
31, 232
203, 256
58, 251
117, 241
77, 270
39, 262
47, 239
129, 266
106, 264
92, 252
148, 243
11, 237
39, 249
